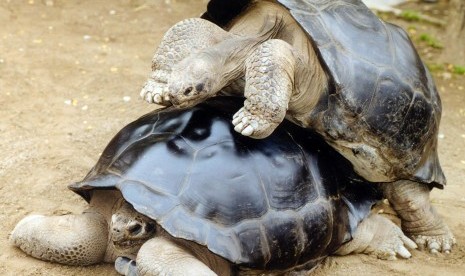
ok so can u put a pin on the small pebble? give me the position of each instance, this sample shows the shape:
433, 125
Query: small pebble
462, 161
463, 135
441, 136
112, 12
114, 69
86, 37
126, 98
72, 102
85, 107
446, 76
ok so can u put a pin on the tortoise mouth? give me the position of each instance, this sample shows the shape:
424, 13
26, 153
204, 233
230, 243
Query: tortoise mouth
128, 244
184, 104
186, 101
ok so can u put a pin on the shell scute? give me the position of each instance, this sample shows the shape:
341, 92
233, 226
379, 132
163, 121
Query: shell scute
284, 238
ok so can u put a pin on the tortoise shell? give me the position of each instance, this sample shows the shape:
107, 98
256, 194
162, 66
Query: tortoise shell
382, 103
275, 203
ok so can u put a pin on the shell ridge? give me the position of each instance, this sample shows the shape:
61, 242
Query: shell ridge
187, 174
300, 232
265, 245
372, 99
146, 185
136, 141
187, 142
215, 144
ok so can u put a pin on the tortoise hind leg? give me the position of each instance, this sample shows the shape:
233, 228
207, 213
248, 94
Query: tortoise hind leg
419, 219
69, 239
377, 235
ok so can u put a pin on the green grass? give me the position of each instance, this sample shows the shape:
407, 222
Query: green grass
410, 15
452, 68
459, 70
434, 67
431, 41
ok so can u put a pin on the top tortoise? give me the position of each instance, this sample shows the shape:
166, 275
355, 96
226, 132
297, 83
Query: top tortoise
329, 65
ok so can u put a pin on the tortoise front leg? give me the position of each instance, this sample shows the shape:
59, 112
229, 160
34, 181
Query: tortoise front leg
419, 219
162, 256
69, 239
269, 79
126, 266
185, 38
377, 235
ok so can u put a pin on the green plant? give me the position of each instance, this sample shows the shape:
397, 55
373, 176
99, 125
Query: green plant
435, 67
458, 69
431, 41
410, 15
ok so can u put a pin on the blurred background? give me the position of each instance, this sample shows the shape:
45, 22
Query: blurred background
70, 76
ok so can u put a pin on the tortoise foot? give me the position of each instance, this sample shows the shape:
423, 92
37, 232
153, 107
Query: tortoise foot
155, 92
392, 243
420, 221
126, 266
436, 243
379, 236
253, 125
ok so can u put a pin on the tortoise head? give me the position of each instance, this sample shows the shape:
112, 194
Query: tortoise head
130, 229
196, 79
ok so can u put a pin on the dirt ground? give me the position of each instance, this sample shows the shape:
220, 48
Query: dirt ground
70, 75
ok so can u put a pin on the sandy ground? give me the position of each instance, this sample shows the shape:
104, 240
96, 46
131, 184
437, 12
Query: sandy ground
70, 74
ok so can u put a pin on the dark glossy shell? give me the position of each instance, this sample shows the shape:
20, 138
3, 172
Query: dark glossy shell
266, 204
381, 89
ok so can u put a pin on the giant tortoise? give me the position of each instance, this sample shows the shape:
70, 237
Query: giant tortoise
179, 192
328, 65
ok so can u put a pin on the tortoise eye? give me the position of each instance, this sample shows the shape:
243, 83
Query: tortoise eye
135, 229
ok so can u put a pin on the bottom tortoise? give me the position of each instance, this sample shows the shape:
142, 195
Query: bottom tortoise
179, 192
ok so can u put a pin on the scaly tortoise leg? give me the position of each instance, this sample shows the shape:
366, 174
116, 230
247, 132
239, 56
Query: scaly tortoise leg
377, 235
69, 239
269, 85
419, 219
183, 39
